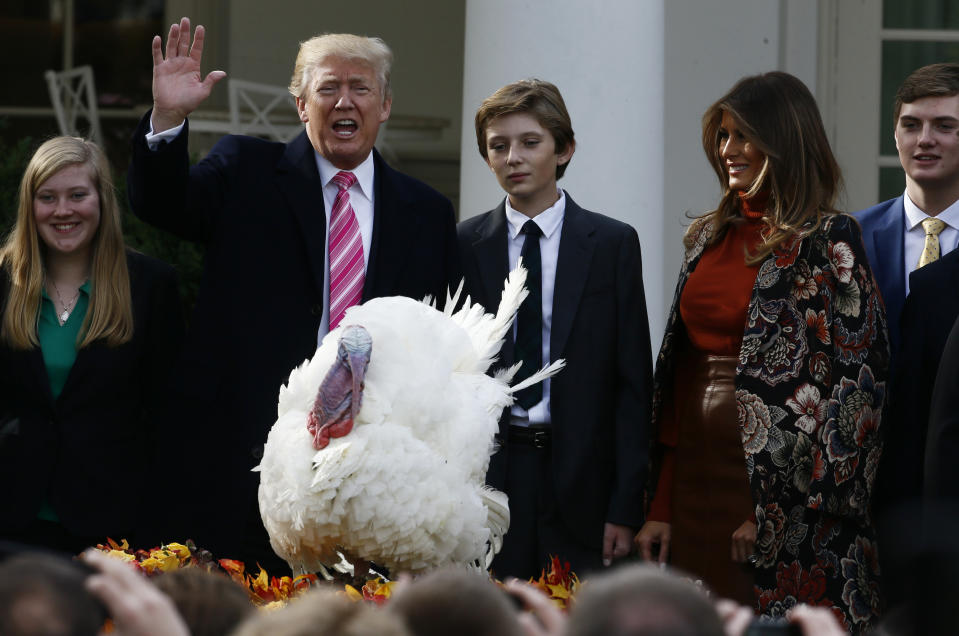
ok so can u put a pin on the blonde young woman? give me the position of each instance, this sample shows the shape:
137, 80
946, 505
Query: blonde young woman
88, 330
771, 380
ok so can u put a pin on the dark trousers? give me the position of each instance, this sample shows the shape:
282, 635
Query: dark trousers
537, 530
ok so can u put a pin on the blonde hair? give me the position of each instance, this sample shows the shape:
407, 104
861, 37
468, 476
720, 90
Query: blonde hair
371, 51
110, 314
777, 113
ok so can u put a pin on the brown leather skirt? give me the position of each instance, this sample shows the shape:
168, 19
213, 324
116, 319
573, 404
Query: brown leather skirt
710, 498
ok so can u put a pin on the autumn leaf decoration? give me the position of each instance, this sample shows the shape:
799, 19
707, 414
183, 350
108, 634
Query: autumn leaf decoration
558, 583
267, 593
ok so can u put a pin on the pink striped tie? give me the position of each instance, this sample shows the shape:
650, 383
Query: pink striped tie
346, 252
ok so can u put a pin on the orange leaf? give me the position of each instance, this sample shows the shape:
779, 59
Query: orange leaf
236, 570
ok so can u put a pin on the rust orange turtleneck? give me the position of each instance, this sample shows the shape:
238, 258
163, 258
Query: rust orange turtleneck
716, 297
713, 308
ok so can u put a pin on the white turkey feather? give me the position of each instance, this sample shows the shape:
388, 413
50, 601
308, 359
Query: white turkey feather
404, 487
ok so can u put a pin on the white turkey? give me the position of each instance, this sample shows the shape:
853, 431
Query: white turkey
383, 439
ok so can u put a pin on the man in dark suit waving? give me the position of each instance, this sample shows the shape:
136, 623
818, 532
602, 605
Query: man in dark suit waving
295, 234
573, 452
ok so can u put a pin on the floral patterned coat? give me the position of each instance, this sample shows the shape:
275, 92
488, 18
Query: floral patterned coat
810, 391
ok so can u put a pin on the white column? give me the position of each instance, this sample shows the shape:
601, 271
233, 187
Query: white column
606, 57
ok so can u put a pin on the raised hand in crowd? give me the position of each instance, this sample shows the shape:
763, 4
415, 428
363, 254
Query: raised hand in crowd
540, 617
178, 86
138, 607
812, 621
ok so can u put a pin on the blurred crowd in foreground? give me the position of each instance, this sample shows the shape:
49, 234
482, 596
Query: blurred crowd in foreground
42, 594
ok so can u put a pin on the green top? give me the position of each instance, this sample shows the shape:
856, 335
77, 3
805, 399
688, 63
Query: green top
58, 344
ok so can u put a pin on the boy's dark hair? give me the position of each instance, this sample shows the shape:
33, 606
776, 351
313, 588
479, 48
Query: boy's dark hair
540, 99
934, 80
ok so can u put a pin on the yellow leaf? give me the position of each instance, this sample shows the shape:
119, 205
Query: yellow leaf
558, 591
179, 549
261, 582
169, 562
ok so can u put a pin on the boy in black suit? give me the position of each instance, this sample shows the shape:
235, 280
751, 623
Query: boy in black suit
573, 454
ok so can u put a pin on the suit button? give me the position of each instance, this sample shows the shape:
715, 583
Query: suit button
257, 452
317, 310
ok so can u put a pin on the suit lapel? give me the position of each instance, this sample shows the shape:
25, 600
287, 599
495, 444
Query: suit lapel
887, 239
394, 225
953, 281
299, 181
38, 371
492, 255
572, 269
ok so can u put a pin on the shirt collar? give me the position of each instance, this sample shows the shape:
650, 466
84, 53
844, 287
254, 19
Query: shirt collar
363, 173
915, 216
548, 220
84, 289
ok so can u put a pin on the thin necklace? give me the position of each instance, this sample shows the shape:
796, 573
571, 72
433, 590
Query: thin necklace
64, 315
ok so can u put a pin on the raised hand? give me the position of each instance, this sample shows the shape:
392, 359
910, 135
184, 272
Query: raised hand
137, 606
178, 87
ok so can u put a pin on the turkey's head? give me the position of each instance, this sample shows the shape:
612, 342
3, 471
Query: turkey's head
340, 395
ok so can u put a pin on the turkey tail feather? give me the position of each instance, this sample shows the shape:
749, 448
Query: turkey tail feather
497, 520
514, 292
452, 301
539, 376
487, 330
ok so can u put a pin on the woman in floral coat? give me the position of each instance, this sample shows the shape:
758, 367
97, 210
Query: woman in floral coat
771, 380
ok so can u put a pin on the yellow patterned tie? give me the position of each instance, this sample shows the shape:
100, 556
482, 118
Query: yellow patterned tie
930, 252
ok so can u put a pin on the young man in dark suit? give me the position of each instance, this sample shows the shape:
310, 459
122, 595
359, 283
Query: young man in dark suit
276, 279
894, 231
904, 239
573, 451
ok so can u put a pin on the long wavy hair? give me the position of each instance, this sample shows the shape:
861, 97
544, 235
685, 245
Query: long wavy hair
23, 255
776, 113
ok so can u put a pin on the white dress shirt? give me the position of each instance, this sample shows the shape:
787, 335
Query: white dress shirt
915, 240
550, 222
361, 198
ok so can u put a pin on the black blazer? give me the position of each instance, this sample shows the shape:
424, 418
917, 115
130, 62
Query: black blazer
258, 208
600, 403
941, 483
91, 450
928, 315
